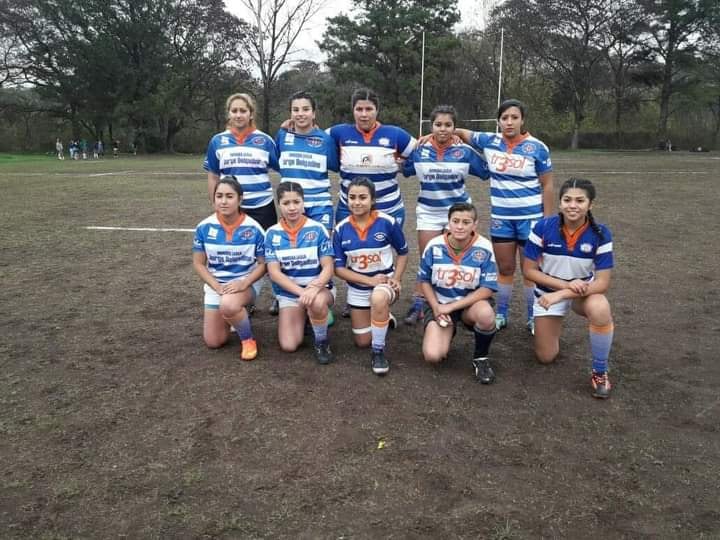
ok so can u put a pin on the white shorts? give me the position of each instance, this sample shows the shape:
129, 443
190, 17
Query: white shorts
560, 309
212, 299
431, 220
361, 299
285, 302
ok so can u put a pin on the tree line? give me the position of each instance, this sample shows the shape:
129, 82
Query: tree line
155, 73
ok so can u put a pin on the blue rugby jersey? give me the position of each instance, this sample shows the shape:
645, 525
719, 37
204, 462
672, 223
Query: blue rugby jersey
247, 156
298, 251
372, 154
442, 173
368, 251
306, 159
231, 250
565, 257
515, 190
455, 276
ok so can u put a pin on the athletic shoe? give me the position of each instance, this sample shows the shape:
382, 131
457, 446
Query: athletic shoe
331, 318
345, 312
601, 385
413, 316
274, 307
380, 365
531, 326
392, 322
249, 349
250, 309
500, 321
483, 371
323, 354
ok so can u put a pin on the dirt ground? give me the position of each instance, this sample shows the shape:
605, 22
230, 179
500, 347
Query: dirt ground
117, 422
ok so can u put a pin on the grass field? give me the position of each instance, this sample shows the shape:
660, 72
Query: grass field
118, 422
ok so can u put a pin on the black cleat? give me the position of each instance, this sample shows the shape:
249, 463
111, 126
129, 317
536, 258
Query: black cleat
274, 307
601, 385
323, 354
483, 371
380, 365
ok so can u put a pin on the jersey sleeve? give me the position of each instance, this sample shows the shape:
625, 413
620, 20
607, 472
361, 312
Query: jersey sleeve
425, 267
272, 150
326, 246
480, 139
268, 249
331, 148
543, 163
397, 238
199, 241
405, 143
211, 163
338, 251
488, 278
534, 244
478, 165
604, 252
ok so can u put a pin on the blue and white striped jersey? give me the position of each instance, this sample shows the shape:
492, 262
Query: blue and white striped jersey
368, 250
515, 190
247, 156
231, 250
306, 159
566, 256
454, 276
442, 172
373, 154
298, 251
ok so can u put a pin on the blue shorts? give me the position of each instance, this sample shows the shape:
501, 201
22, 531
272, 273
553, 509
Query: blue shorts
343, 211
511, 230
321, 214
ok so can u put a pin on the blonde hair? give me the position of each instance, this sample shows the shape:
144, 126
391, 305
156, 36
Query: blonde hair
249, 102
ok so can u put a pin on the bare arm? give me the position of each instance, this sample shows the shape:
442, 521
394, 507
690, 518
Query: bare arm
548, 193
465, 135
279, 278
201, 269
212, 179
567, 290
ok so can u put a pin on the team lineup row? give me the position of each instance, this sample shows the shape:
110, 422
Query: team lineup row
567, 256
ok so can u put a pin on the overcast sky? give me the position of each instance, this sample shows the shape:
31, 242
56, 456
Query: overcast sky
471, 12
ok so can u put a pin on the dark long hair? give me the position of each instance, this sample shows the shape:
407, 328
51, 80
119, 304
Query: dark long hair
364, 181
589, 189
288, 187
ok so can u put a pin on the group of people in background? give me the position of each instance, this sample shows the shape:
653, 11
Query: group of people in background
79, 149
463, 279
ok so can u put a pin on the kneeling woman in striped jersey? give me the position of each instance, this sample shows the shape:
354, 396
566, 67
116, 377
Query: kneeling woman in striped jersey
364, 243
458, 278
228, 254
299, 261
569, 257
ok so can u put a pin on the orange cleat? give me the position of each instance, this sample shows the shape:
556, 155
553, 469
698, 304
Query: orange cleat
249, 350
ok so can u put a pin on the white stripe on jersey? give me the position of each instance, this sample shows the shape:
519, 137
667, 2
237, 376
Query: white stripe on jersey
368, 160
567, 267
242, 156
514, 185
370, 260
605, 248
516, 202
303, 161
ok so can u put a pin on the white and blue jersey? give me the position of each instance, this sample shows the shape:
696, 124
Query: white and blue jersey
368, 250
442, 172
515, 190
298, 251
372, 155
231, 250
247, 156
568, 257
454, 276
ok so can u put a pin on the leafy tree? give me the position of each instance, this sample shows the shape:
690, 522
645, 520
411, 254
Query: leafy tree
380, 47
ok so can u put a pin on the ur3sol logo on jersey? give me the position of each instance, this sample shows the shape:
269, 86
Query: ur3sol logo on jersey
503, 162
457, 276
362, 262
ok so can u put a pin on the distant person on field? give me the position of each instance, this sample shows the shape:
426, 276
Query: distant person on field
59, 149
229, 256
101, 149
569, 257
116, 148
84, 148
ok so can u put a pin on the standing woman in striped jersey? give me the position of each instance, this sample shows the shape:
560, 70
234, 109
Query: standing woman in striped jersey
299, 259
457, 275
521, 193
441, 165
229, 256
569, 257
246, 153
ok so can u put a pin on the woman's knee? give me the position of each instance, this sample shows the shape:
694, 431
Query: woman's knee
214, 342
362, 341
379, 300
546, 355
597, 309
